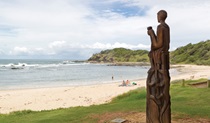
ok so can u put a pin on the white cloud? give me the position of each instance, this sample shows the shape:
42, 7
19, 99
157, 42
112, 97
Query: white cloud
57, 44
64, 49
1, 52
188, 20
86, 50
20, 51
62, 45
78, 25
25, 51
39, 49
97, 45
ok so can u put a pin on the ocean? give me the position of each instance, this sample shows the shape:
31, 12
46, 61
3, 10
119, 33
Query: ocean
19, 74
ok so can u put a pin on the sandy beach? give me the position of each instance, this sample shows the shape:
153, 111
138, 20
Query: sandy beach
63, 97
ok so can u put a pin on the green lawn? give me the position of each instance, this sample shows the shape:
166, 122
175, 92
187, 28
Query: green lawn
190, 101
185, 102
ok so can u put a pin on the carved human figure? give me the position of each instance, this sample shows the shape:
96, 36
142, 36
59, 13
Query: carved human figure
158, 80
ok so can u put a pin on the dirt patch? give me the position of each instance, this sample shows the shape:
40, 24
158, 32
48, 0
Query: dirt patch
138, 117
193, 120
130, 117
199, 84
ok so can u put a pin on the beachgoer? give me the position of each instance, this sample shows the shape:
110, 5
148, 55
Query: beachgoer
127, 82
123, 84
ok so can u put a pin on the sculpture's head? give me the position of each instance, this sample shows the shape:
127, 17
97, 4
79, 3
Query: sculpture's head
161, 15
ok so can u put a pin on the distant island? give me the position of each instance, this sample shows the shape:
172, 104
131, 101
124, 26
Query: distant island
198, 54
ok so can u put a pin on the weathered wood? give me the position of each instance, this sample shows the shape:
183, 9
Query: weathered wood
158, 81
183, 82
208, 83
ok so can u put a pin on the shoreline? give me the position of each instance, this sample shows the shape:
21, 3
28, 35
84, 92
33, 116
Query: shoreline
38, 99
60, 97
64, 86
121, 63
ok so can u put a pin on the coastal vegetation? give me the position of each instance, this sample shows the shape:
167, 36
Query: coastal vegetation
120, 55
198, 54
192, 54
186, 103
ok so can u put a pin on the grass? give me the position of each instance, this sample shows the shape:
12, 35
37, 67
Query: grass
190, 101
185, 102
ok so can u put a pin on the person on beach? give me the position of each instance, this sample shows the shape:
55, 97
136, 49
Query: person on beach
127, 83
123, 83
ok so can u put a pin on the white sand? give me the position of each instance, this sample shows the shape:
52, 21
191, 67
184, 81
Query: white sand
62, 97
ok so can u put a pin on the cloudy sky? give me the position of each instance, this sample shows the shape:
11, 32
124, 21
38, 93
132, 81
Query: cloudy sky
75, 29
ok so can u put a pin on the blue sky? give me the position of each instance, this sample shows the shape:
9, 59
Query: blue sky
75, 29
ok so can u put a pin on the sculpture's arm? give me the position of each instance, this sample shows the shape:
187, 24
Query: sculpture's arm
152, 35
158, 42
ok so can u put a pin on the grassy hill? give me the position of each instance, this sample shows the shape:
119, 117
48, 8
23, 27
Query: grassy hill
192, 54
120, 55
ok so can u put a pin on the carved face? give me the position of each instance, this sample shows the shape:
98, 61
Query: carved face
158, 17
161, 16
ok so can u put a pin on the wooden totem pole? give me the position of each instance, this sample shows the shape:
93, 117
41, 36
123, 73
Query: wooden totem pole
158, 81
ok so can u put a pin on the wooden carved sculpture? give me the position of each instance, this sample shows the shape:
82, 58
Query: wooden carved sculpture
158, 81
